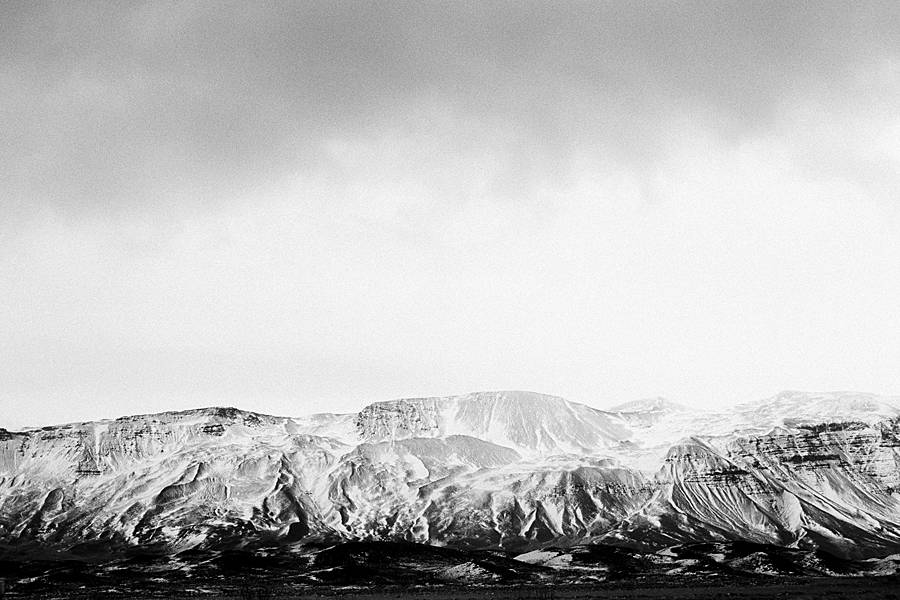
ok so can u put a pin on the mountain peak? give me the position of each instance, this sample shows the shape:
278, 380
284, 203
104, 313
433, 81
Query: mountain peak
798, 406
657, 404
526, 421
519, 396
228, 413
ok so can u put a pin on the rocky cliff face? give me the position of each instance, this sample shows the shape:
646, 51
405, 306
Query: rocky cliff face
533, 424
503, 469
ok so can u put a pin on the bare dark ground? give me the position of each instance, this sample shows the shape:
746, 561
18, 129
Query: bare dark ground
802, 588
381, 570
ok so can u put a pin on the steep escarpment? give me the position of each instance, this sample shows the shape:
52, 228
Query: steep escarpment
176, 479
831, 485
534, 424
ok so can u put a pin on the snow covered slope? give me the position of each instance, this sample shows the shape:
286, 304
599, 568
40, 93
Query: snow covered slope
797, 408
516, 470
534, 424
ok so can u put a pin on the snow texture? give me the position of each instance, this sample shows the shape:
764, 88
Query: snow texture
513, 470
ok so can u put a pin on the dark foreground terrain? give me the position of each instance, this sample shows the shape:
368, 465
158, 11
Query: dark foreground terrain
389, 570
799, 588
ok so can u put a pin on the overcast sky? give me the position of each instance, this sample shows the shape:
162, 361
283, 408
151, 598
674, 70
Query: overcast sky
299, 207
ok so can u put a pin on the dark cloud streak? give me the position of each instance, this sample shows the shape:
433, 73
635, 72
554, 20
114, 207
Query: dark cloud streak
111, 106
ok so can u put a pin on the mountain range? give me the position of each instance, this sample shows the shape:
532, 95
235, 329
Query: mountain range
517, 472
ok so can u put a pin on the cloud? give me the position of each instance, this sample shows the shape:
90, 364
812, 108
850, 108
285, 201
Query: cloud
304, 206
159, 104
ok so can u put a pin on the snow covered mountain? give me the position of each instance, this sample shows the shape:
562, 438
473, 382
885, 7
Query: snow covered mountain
531, 423
513, 470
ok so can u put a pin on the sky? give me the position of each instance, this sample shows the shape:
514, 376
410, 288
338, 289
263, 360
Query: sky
297, 207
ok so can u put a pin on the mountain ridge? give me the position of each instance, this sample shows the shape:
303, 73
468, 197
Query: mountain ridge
514, 470
641, 405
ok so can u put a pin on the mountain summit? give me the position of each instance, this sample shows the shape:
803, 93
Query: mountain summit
527, 421
648, 405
